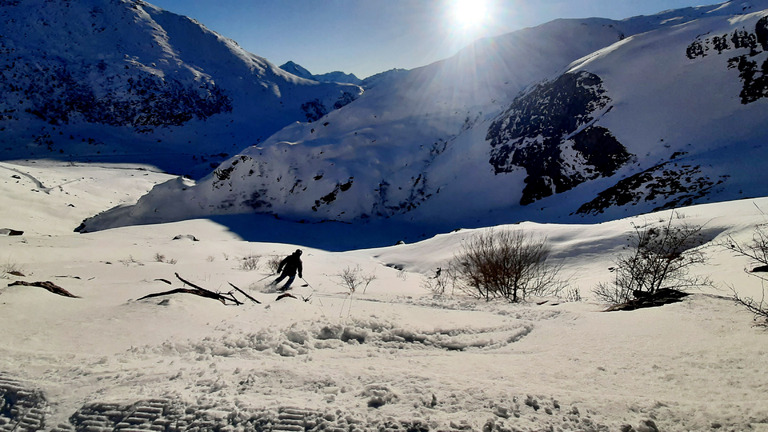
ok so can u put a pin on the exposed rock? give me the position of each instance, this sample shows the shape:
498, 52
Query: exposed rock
551, 133
668, 185
643, 299
752, 66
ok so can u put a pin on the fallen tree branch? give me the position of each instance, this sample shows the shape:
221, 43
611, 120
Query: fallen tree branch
211, 294
196, 290
244, 293
174, 291
48, 285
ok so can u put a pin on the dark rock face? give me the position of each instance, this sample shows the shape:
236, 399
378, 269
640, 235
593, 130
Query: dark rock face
668, 185
331, 197
59, 93
551, 133
752, 66
642, 299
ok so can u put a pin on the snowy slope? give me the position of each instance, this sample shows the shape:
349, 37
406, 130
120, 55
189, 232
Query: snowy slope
124, 80
389, 135
573, 120
390, 357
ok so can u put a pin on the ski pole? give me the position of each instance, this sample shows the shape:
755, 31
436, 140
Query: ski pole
267, 276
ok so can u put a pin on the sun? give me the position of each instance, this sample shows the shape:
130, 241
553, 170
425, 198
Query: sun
469, 14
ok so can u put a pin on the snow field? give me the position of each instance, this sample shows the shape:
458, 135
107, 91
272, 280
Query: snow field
393, 355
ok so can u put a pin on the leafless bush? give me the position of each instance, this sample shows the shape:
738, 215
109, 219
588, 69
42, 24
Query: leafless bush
572, 294
354, 278
250, 262
402, 275
162, 259
131, 261
660, 257
757, 252
10, 269
506, 264
445, 278
273, 263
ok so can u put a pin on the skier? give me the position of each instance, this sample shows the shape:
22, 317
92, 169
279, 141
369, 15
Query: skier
288, 268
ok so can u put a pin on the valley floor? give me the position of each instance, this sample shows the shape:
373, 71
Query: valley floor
392, 356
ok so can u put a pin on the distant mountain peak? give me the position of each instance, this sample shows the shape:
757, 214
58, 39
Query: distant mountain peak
336, 76
297, 70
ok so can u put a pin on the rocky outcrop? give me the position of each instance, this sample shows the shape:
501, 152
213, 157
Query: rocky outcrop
752, 66
550, 132
668, 185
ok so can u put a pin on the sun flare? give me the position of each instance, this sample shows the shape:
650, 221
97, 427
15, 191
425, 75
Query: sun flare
469, 14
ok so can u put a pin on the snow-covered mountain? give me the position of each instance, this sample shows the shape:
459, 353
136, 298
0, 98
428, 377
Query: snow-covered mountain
572, 120
298, 70
126, 81
336, 76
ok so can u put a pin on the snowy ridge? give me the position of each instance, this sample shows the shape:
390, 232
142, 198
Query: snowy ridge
337, 76
457, 143
124, 80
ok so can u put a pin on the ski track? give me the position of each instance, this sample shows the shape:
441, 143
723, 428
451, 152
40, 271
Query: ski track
38, 184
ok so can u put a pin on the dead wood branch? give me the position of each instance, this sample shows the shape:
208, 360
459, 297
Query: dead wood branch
196, 290
48, 285
244, 293
284, 295
174, 291
209, 293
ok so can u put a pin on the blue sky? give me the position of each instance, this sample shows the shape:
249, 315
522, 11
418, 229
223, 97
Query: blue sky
365, 37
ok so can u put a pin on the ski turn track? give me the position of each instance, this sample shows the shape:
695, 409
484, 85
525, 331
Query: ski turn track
24, 408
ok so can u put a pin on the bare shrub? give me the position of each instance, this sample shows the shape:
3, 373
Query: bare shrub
10, 269
250, 262
162, 259
131, 261
444, 278
354, 278
506, 264
273, 263
660, 257
757, 252
402, 275
572, 295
